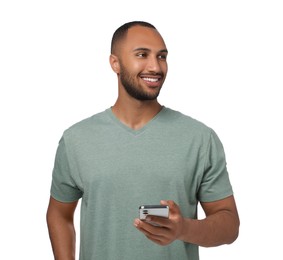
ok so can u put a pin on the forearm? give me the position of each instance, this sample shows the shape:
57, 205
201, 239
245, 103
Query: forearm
63, 239
217, 229
60, 221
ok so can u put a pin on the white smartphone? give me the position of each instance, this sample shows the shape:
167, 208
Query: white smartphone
153, 210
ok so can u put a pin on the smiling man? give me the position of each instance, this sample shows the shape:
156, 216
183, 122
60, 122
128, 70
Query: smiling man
140, 152
138, 57
140, 63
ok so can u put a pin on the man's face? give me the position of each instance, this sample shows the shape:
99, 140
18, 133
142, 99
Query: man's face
143, 65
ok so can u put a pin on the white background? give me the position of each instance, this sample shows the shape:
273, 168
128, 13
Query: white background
225, 69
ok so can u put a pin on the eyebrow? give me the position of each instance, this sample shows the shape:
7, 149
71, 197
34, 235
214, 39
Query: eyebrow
146, 49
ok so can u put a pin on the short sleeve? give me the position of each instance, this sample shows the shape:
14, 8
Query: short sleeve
215, 183
63, 187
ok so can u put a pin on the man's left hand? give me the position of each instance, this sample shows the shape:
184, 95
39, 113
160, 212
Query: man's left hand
165, 230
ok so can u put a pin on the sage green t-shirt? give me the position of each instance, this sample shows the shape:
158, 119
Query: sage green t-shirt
115, 169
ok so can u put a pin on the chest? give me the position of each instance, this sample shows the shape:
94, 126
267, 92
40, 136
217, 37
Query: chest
138, 164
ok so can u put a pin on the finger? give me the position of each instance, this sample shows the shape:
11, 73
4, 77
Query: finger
164, 202
174, 208
158, 241
148, 234
158, 238
160, 221
149, 229
158, 235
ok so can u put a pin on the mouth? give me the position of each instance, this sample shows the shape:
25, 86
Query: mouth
152, 81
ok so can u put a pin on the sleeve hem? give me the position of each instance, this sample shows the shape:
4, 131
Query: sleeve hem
64, 199
216, 197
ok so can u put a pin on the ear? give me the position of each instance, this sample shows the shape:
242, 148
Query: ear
114, 62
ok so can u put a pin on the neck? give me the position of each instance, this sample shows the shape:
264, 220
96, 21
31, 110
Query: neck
134, 113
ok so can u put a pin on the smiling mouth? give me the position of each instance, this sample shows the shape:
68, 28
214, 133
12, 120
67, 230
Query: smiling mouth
151, 79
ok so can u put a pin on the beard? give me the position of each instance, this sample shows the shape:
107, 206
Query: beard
133, 88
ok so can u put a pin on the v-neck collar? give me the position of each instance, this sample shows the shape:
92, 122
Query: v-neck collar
131, 130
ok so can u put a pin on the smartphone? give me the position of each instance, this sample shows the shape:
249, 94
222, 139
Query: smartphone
153, 210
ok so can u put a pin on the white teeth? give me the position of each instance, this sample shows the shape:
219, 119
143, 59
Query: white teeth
150, 79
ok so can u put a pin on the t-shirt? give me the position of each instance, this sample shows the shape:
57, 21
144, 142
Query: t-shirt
115, 169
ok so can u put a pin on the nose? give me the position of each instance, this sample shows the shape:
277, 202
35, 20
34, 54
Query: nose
153, 65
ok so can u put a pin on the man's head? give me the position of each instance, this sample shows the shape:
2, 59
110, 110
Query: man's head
138, 57
121, 32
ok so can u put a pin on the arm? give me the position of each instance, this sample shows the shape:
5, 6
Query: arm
61, 229
221, 225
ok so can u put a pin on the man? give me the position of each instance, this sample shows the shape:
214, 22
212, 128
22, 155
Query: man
139, 152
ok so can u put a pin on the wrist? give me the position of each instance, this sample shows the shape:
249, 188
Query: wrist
184, 231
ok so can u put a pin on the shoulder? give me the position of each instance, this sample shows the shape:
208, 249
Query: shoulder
88, 125
186, 123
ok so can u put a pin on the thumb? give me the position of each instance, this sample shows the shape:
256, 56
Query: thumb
173, 207
164, 202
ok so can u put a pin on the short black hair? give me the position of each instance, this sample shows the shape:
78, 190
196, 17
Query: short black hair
121, 32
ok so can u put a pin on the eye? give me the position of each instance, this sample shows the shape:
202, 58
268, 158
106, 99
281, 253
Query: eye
141, 55
162, 57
